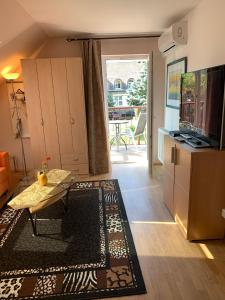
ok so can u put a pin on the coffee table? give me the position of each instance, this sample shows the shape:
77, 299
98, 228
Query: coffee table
34, 198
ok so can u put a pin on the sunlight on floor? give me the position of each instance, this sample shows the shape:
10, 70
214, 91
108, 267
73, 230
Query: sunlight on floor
141, 188
153, 222
206, 251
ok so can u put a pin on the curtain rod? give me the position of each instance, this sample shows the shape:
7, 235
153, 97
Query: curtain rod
113, 37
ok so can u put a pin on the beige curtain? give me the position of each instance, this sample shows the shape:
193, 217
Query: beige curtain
95, 108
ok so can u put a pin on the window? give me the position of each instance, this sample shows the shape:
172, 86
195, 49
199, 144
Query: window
115, 101
118, 97
130, 81
120, 103
118, 84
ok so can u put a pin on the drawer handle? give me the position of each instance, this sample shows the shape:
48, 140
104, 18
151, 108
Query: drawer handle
175, 156
172, 155
75, 159
76, 170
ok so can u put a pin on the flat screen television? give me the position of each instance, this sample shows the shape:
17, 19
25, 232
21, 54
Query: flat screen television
202, 103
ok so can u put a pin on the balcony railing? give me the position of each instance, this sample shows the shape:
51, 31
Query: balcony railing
125, 112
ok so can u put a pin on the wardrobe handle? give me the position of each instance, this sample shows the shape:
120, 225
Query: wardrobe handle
72, 121
42, 122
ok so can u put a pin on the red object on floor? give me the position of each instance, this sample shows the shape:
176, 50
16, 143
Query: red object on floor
5, 172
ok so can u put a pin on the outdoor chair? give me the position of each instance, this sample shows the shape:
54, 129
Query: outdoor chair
139, 130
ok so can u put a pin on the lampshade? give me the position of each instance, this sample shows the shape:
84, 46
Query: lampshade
11, 76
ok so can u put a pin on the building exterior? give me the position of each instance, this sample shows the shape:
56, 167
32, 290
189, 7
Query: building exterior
120, 76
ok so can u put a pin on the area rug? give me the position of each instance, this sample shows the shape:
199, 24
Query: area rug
86, 253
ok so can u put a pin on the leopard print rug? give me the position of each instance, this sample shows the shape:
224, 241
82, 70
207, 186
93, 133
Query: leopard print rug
120, 276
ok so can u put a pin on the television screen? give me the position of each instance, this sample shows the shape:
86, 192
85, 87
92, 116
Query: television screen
188, 98
202, 101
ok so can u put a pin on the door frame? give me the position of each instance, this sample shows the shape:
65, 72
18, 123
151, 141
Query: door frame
148, 57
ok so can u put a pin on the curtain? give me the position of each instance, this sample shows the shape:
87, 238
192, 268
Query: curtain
95, 108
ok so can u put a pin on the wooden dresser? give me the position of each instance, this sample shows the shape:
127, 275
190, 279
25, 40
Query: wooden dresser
56, 112
194, 189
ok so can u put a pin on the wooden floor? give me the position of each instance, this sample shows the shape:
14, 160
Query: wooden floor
173, 268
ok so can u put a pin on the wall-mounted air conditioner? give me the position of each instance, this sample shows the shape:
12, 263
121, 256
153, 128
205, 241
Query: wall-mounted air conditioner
176, 35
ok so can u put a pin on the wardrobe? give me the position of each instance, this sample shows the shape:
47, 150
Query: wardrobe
56, 112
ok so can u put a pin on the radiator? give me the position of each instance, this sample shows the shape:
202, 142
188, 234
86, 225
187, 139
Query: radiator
161, 133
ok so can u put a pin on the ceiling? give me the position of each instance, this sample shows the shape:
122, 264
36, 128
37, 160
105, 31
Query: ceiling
20, 36
13, 20
106, 17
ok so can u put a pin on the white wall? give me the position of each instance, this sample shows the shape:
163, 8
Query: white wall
20, 37
58, 47
206, 44
8, 142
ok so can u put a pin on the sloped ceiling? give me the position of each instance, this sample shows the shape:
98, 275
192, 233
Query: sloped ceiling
20, 35
13, 20
110, 17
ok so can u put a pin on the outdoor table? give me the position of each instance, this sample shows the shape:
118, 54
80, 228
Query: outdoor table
117, 137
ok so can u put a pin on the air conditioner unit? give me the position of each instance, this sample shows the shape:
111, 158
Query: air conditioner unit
176, 35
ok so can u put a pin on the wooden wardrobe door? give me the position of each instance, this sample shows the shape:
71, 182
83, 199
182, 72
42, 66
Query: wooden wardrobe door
59, 77
77, 107
182, 167
34, 111
48, 111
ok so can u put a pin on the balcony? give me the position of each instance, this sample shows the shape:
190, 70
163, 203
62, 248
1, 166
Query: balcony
125, 146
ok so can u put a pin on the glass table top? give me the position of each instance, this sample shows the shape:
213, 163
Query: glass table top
29, 194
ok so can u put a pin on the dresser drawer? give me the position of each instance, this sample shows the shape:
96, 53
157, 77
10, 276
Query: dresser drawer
77, 168
73, 160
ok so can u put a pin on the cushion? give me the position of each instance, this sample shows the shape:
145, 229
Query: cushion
4, 186
3, 174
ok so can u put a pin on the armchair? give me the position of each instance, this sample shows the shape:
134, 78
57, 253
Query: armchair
5, 173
